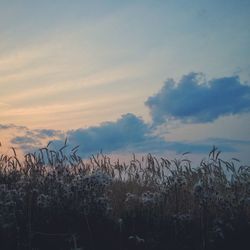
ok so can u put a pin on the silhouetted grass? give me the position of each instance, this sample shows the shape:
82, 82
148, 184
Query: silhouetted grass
54, 200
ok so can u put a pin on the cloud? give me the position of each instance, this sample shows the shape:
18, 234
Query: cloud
23, 140
191, 100
129, 134
195, 100
4, 126
226, 141
4, 104
126, 132
47, 133
12, 126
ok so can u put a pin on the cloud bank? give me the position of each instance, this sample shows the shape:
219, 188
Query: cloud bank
195, 100
127, 134
191, 100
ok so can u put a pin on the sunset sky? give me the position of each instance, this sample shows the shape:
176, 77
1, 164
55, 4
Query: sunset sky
126, 76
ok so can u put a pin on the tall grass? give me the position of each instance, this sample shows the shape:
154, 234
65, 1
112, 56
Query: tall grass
54, 200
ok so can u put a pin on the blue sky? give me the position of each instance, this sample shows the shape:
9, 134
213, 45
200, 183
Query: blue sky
146, 76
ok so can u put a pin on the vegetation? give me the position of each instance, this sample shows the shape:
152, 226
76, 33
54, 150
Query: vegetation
54, 200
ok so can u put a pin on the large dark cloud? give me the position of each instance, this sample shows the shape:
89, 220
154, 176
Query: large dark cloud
196, 100
128, 134
128, 131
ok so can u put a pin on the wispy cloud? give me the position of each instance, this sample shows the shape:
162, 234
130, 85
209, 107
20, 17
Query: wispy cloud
62, 85
11, 126
34, 138
195, 100
3, 104
47, 133
94, 109
24, 140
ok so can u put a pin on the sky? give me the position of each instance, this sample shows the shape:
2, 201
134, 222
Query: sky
126, 76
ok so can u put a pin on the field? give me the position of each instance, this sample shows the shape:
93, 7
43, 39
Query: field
55, 200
